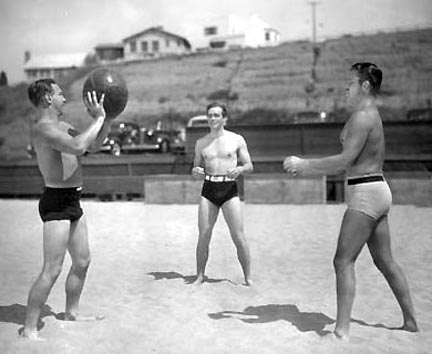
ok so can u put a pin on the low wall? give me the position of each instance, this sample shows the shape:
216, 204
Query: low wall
254, 189
411, 188
281, 189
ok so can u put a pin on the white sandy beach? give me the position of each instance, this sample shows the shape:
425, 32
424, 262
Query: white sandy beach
144, 255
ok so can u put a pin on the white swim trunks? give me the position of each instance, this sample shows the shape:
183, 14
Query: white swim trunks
370, 195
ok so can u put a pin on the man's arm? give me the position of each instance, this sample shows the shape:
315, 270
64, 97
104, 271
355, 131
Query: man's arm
53, 136
244, 159
103, 133
198, 166
357, 133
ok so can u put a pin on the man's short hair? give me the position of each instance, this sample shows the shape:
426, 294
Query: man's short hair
38, 89
220, 105
371, 73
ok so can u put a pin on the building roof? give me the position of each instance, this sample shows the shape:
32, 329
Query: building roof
55, 61
110, 46
161, 31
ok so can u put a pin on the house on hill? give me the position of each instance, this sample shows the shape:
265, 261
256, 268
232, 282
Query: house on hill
109, 52
55, 66
154, 42
231, 31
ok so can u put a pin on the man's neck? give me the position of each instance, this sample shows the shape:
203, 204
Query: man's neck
48, 114
217, 132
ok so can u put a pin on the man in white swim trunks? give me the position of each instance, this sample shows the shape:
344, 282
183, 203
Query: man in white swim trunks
369, 197
221, 156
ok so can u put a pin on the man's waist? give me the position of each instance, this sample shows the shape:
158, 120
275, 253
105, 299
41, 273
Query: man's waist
218, 178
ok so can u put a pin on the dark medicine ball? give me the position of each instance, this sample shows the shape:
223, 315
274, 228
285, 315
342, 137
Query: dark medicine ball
112, 84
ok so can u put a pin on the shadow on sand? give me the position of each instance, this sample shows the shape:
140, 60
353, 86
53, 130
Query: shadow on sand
189, 279
16, 313
303, 321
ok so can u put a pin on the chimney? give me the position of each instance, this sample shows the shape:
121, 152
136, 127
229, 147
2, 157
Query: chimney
27, 56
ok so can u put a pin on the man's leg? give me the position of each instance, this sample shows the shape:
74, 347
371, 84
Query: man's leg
80, 254
207, 216
355, 230
380, 248
233, 214
55, 239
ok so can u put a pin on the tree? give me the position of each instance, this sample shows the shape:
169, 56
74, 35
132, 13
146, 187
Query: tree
3, 79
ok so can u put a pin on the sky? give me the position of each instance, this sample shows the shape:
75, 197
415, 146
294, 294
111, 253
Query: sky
70, 26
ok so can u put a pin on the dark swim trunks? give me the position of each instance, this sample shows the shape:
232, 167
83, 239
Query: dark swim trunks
60, 204
219, 192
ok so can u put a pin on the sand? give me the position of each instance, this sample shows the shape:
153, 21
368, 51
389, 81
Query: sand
143, 257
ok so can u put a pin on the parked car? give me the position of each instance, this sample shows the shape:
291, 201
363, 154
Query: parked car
419, 114
310, 117
198, 121
128, 137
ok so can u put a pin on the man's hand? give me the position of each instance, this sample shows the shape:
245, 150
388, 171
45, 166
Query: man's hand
198, 172
294, 165
234, 173
95, 108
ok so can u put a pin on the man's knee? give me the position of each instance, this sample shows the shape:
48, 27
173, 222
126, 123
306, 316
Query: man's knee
81, 264
51, 272
385, 266
341, 262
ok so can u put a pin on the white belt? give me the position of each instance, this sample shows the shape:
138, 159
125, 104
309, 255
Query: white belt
218, 178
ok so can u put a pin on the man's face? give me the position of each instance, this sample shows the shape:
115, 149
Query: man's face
57, 98
353, 90
215, 117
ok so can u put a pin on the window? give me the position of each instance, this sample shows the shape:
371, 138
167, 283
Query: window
210, 31
267, 36
167, 42
144, 46
133, 46
155, 46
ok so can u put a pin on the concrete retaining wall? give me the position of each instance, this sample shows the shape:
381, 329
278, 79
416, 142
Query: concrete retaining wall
281, 189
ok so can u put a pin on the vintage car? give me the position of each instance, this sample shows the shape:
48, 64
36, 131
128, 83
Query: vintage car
128, 137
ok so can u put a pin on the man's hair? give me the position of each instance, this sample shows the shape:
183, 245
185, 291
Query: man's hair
38, 89
371, 73
220, 105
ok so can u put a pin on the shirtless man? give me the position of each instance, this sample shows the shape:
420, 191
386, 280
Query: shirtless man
216, 162
369, 197
58, 148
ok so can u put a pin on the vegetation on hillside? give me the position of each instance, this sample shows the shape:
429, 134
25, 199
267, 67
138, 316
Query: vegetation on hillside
265, 85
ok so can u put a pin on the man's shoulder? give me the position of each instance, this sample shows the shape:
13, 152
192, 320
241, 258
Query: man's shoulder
365, 118
235, 136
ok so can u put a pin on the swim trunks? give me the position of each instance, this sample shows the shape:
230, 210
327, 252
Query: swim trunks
219, 189
60, 204
370, 195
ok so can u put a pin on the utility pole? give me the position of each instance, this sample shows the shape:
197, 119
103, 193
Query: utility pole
313, 5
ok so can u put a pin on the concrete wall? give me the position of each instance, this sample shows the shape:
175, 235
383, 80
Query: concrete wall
411, 188
281, 189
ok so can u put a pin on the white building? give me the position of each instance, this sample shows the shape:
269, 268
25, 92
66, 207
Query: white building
53, 66
154, 42
232, 31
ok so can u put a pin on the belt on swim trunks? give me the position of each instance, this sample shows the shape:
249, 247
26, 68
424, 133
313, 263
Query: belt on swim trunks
365, 179
213, 178
67, 189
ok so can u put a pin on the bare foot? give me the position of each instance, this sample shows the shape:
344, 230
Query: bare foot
30, 335
335, 337
198, 281
409, 326
249, 282
82, 318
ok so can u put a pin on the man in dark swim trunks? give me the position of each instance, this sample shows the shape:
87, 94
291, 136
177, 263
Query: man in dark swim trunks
216, 162
58, 148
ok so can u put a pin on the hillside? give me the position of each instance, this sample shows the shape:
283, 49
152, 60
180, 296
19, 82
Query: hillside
257, 84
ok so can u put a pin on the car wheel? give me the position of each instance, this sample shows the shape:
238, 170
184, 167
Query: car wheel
164, 147
116, 149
